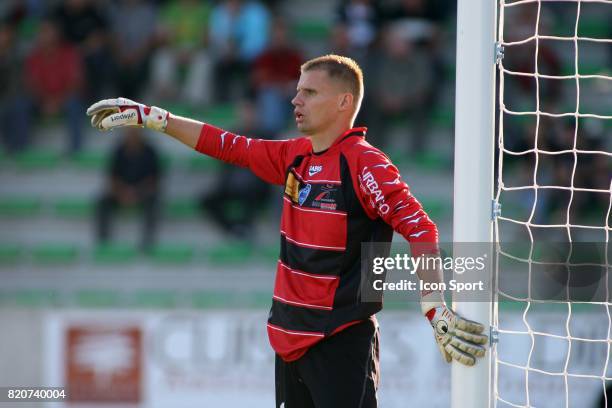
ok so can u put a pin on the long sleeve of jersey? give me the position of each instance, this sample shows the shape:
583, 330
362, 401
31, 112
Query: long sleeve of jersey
267, 159
384, 194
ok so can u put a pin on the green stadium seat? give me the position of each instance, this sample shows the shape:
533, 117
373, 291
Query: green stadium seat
220, 115
34, 159
180, 109
269, 253
436, 208
74, 207
154, 299
311, 30
55, 253
450, 70
114, 253
19, 206
586, 68
28, 28
207, 299
90, 160
594, 28
443, 117
230, 254
93, 298
432, 161
34, 298
204, 163
182, 208
10, 254
212, 299
172, 253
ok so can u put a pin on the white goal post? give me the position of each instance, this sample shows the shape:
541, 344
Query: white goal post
557, 153
473, 172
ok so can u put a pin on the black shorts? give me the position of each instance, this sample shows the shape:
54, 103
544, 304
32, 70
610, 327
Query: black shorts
341, 371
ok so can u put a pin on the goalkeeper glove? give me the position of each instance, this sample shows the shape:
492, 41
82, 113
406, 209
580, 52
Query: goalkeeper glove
457, 338
108, 114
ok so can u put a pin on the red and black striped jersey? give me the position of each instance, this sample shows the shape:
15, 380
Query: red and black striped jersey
333, 202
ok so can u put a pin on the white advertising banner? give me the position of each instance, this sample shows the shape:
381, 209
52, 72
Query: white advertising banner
221, 358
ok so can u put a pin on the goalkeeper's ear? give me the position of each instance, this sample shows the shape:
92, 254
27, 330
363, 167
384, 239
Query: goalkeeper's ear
346, 102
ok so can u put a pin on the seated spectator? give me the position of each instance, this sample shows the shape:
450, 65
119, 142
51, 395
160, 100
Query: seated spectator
238, 195
424, 18
85, 26
361, 18
54, 77
13, 104
134, 180
402, 85
584, 171
133, 36
275, 75
182, 48
424, 22
238, 34
520, 91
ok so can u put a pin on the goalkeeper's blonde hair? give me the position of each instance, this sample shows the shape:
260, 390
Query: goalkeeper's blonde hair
343, 69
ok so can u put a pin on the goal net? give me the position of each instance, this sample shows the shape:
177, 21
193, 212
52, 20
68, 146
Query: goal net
554, 173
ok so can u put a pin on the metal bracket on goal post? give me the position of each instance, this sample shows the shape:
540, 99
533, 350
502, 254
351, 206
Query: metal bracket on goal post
473, 175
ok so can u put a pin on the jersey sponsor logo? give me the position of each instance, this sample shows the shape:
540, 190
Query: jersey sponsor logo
321, 196
368, 184
326, 200
303, 194
312, 170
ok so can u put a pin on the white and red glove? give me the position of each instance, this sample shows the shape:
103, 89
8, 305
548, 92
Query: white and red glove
108, 114
457, 338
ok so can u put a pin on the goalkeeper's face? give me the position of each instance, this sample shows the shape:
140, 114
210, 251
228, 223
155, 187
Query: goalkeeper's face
319, 102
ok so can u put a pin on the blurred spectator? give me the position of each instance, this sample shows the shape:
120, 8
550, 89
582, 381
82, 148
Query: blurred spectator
361, 19
133, 34
54, 76
275, 75
424, 21
591, 171
13, 103
402, 87
134, 178
238, 34
520, 91
339, 42
238, 195
182, 36
86, 27
422, 18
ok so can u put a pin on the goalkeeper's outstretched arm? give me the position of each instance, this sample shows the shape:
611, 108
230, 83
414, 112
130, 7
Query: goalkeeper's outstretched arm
185, 130
266, 158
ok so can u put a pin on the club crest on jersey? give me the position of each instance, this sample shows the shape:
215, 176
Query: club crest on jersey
312, 170
303, 195
292, 187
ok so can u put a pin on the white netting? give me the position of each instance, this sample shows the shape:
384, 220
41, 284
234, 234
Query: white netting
554, 182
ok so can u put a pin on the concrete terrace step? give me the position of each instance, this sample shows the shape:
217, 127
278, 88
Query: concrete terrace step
165, 254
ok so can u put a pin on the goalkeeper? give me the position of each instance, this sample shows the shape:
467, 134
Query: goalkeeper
339, 192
